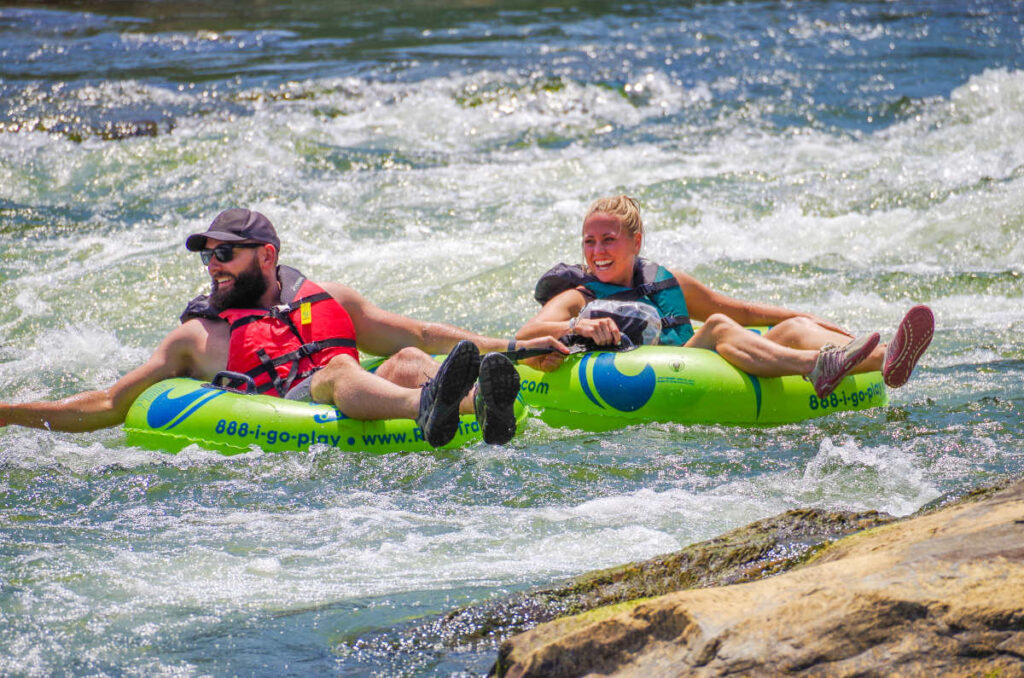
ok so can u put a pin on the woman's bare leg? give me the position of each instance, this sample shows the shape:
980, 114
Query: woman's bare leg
750, 351
805, 334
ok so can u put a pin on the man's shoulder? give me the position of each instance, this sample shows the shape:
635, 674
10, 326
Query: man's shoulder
341, 292
198, 328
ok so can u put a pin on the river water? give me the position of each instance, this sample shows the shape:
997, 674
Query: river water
848, 159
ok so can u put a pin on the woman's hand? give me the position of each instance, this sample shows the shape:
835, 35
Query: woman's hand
554, 345
603, 331
548, 362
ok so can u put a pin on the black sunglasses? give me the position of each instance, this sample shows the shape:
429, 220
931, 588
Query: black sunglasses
225, 251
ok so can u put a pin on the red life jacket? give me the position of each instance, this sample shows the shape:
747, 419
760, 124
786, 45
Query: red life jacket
280, 346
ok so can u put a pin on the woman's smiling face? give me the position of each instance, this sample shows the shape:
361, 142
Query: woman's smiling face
609, 249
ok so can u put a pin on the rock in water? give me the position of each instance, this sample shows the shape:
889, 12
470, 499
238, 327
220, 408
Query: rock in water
939, 594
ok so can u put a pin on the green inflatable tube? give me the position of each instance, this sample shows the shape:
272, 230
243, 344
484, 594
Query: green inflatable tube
603, 390
176, 413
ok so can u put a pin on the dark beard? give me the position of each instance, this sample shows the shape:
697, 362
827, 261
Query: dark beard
245, 293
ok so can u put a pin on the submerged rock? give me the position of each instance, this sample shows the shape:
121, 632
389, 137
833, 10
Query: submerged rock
939, 593
78, 128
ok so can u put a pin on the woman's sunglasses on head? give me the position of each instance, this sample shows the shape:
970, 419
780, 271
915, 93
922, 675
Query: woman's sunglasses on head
225, 251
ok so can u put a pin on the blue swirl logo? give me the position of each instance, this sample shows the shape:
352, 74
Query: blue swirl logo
619, 391
166, 409
327, 417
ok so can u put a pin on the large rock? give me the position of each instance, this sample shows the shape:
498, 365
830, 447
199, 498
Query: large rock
747, 553
939, 594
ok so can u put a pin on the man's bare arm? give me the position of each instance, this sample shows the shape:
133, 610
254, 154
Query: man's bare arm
381, 332
186, 351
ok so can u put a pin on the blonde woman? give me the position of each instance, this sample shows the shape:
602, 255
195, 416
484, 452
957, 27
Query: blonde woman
608, 298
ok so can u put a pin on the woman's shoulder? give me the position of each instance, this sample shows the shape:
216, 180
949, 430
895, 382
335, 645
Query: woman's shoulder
558, 279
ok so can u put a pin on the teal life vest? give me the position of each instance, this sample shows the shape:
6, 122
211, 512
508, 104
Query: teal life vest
653, 285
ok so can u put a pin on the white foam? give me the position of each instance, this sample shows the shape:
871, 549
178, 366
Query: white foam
432, 121
425, 195
859, 478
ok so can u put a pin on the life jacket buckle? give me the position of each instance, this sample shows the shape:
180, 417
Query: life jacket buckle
308, 349
645, 289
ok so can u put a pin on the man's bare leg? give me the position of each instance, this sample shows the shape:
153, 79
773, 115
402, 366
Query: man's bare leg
360, 394
410, 367
434, 407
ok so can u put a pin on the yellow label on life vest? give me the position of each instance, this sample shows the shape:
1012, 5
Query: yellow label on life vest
306, 313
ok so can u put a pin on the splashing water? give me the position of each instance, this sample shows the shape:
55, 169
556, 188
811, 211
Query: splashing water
845, 159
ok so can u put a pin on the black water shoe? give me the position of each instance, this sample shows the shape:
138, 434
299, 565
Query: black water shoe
495, 399
440, 397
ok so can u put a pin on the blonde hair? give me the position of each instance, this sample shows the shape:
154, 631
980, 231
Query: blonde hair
623, 208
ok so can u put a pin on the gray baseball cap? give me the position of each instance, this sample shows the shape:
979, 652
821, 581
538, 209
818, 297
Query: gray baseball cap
236, 225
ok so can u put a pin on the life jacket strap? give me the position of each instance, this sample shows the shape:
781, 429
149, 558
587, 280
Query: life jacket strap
303, 351
241, 322
668, 322
266, 367
281, 311
288, 383
644, 290
269, 365
647, 289
312, 347
284, 310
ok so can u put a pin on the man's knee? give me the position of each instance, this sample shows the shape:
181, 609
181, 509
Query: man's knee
409, 367
340, 363
410, 355
321, 386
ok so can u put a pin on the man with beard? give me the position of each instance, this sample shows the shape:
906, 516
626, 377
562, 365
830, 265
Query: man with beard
268, 327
